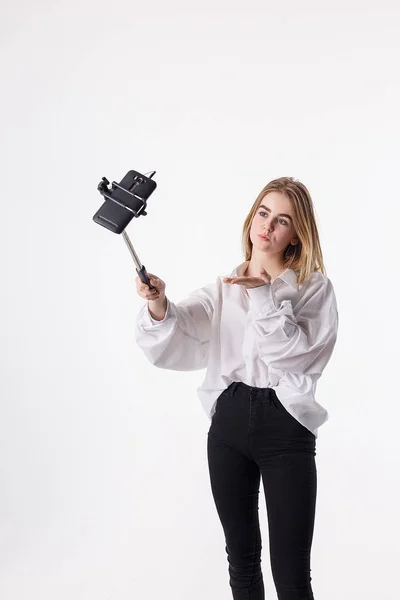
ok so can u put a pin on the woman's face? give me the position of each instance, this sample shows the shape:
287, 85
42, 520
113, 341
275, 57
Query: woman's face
273, 219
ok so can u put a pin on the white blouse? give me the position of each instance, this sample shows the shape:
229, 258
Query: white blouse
279, 335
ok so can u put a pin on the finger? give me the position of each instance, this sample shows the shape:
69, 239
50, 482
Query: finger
142, 285
265, 274
150, 294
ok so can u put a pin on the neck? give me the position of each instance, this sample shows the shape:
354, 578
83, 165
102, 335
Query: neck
272, 265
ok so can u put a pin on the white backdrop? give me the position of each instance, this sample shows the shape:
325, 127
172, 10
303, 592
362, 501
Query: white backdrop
105, 490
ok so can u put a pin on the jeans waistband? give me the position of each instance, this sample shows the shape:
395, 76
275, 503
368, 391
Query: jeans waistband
250, 389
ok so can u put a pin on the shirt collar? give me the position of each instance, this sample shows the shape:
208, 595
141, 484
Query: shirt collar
288, 275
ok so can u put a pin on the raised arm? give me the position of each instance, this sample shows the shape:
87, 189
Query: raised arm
180, 341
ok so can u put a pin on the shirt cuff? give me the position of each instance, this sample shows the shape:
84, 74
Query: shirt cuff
263, 299
149, 319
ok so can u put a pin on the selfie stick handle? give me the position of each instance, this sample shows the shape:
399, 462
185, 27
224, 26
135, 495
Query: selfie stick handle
140, 269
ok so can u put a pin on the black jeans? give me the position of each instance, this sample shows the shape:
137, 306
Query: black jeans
251, 436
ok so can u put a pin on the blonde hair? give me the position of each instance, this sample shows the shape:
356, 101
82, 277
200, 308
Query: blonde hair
306, 257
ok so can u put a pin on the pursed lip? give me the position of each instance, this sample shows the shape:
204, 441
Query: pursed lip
264, 237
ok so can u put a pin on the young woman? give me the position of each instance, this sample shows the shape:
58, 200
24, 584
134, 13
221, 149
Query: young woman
265, 335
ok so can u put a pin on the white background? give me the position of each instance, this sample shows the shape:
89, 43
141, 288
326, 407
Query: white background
104, 480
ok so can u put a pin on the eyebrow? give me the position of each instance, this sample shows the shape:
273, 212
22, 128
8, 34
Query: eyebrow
280, 214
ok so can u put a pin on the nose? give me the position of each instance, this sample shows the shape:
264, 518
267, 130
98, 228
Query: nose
268, 228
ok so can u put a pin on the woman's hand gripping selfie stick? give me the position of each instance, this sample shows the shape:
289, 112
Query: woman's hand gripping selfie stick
124, 201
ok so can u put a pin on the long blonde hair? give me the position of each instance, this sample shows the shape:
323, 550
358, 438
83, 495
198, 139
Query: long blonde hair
306, 257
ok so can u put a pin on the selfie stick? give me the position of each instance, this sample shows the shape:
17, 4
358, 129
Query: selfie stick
140, 269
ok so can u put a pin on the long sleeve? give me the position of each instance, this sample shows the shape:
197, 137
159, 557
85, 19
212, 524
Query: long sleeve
295, 348
179, 342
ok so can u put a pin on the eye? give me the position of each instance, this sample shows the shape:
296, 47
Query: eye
262, 213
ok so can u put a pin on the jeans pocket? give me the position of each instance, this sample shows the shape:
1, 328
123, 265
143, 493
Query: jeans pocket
280, 408
222, 395
277, 404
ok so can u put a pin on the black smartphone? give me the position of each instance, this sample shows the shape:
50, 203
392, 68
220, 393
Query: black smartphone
124, 201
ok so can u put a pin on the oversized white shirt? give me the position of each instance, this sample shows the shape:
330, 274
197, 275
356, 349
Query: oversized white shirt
279, 335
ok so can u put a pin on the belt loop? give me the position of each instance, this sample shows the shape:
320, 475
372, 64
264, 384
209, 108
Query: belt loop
234, 386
